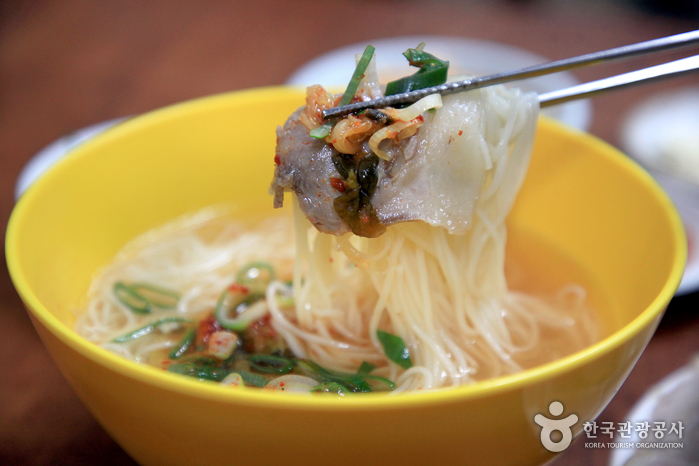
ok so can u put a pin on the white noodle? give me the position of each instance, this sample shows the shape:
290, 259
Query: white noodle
444, 294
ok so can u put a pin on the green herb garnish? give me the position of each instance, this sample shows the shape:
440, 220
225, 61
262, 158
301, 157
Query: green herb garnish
365, 368
322, 131
395, 349
432, 72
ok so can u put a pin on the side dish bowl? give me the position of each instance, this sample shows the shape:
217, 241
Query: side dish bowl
581, 196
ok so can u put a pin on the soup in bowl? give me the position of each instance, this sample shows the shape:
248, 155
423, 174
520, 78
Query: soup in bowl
584, 212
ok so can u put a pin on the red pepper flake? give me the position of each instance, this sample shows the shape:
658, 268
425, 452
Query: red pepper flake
461, 132
264, 325
237, 287
277, 159
206, 327
282, 384
339, 184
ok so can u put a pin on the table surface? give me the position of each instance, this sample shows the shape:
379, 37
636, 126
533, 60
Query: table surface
65, 65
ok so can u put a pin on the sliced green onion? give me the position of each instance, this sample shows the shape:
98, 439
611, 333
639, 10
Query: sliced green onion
199, 371
248, 310
253, 379
395, 349
141, 298
158, 296
365, 368
379, 384
270, 364
184, 344
150, 328
286, 297
331, 387
256, 272
417, 81
324, 130
352, 382
432, 72
357, 76
134, 301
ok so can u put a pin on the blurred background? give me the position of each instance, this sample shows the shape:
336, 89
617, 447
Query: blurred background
66, 65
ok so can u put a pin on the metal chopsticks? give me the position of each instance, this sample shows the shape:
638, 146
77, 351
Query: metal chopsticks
645, 75
551, 98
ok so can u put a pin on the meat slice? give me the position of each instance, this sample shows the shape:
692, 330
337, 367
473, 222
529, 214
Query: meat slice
477, 143
305, 166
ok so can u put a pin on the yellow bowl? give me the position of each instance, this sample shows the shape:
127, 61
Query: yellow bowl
581, 196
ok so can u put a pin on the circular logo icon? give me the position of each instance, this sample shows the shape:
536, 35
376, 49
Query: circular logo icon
548, 426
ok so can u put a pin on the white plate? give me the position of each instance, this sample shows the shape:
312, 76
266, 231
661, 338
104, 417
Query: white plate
50, 154
678, 389
466, 56
662, 134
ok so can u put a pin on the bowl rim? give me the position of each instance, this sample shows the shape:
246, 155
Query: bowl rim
374, 401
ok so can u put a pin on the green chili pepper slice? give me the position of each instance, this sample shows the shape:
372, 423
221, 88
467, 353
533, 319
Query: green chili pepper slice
322, 131
395, 349
148, 329
270, 364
